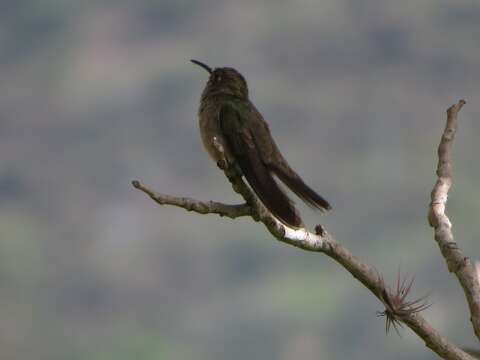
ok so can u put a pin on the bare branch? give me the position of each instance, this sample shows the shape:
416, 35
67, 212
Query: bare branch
457, 263
326, 244
369, 277
189, 204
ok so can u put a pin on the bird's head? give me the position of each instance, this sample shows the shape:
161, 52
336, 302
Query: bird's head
224, 80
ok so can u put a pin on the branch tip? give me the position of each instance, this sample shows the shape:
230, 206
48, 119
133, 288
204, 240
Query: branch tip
456, 107
319, 230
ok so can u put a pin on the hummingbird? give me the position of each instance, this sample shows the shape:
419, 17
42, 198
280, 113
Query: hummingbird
228, 118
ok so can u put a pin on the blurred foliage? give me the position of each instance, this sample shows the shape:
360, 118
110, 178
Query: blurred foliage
97, 93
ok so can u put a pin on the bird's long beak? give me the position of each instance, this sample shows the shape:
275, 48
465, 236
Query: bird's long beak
202, 65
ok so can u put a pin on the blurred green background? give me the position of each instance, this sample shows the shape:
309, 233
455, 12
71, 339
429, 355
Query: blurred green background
94, 94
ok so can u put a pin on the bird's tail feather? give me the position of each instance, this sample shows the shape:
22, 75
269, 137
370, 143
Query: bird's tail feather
269, 192
302, 190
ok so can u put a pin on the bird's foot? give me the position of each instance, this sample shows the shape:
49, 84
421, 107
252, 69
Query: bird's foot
222, 164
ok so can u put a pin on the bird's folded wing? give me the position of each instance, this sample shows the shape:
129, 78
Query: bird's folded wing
239, 138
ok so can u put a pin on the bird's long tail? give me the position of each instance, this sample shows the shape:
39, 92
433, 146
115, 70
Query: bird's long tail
302, 190
269, 192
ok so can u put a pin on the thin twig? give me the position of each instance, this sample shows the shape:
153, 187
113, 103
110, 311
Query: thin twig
189, 204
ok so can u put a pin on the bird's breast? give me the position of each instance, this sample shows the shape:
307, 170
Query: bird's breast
210, 129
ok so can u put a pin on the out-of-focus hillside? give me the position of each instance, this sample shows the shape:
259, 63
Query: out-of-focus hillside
96, 94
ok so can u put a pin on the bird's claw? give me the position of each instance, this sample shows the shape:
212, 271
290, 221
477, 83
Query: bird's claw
222, 164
